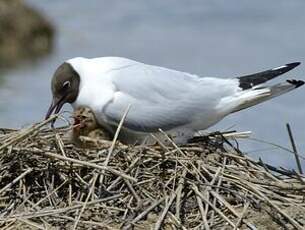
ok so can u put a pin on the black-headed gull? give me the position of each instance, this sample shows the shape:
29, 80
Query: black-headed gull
179, 103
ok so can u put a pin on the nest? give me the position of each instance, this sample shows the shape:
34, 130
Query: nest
47, 182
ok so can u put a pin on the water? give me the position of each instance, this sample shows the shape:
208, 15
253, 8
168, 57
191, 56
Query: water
208, 38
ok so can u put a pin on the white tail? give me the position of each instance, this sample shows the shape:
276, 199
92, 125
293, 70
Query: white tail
258, 95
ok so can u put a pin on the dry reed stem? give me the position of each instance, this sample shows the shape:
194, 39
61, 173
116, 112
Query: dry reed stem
202, 212
241, 216
101, 167
116, 135
168, 201
16, 180
294, 148
197, 192
25, 133
86, 201
55, 211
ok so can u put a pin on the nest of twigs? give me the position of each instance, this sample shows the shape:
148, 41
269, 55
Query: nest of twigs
46, 182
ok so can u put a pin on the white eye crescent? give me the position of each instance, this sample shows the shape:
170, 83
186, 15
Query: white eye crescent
66, 84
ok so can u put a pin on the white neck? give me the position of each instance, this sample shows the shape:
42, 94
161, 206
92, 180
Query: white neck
95, 89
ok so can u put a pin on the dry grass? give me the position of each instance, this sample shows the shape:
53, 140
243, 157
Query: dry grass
48, 183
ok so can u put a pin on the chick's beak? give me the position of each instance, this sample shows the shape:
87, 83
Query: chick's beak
55, 107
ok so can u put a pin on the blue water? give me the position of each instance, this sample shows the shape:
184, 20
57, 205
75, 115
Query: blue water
208, 38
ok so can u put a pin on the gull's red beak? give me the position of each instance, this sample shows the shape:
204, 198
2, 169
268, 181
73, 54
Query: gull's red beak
55, 108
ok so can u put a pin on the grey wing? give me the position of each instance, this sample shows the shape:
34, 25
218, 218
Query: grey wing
163, 98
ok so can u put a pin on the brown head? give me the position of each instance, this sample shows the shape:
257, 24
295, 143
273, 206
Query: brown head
65, 88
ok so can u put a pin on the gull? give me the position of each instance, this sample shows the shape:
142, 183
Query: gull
157, 98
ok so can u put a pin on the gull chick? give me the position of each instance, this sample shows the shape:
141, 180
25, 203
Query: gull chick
86, 126
179, 103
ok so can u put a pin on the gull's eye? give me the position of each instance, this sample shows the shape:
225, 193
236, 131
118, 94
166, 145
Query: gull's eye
66, 85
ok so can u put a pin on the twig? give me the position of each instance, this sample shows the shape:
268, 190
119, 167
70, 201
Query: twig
241, 216
178, 199
218, 185
118, 179
60, 144
88, 164
27, 132
99, 224
116, 135
294, 148
202, 212
135, 195
165, 210
57, 211
167, 206
228, 206
16, 180
86, 201
195, 189
31, 223
145, 212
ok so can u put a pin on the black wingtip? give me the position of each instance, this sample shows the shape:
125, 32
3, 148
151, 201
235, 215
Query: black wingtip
285, 68
293, 64
296, 83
